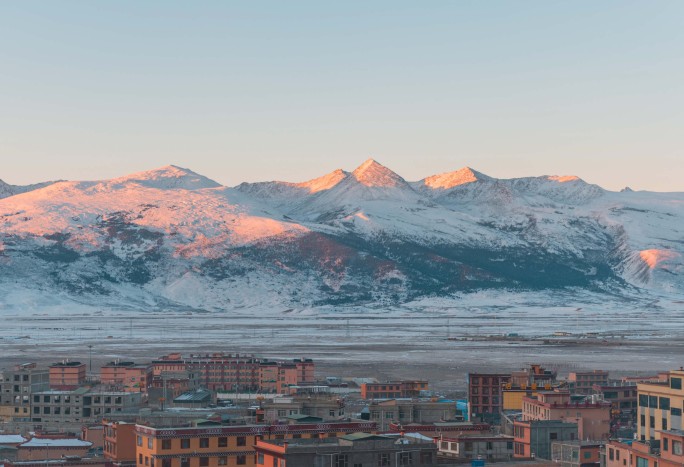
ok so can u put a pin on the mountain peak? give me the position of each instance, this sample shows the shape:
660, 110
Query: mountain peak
563, 178
447, 180
168, 177
373, 174
325, 182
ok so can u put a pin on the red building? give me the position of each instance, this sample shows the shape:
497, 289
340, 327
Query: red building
66, 375
484, 395
393, 389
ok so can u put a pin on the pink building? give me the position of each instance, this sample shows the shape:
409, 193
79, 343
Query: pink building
592, 418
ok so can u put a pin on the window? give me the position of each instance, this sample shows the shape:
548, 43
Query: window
138, 440
184, 462
664, 424
204, 442
664, 403
406, 458
643, 400
676, 412
260, 458
241, 459
222, 461
384, 460
340, 460
587, 455
426, 458
665, 443
223, 442
643, 420
166, 463
553, 435
166, 444
242, 441
204, 462
676, 383
653, 402
641, 462
140, 459
147, 460
676, 448
185, 444
651, 421
150, 443
611, 454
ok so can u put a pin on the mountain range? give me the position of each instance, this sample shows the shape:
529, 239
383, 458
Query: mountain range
170, 237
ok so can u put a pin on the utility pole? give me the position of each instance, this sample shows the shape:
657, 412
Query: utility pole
90, 358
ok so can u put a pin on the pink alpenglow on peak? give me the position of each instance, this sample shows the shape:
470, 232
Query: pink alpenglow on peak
373, 174
325, 182
563, 178
167, 177
447, 180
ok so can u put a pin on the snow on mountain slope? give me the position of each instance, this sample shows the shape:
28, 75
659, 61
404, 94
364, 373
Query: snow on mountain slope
7, 190
171, 237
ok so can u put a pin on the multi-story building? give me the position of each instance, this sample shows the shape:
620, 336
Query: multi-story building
229, 446
667, 451
67, 375
476, 446
660, 406
393, 389
126, 376
357, 449
576, 453
16, 386
484, 396
324, 406
623, 401
235, 372
81, 405
119, 443
405, 411
533, 438
582, 382
52, 447
592, 418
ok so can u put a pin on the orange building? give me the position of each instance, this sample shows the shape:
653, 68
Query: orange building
393, 389
67, 375
668, 451
277, 377
119, 443
127, 375
592, 418
214, 446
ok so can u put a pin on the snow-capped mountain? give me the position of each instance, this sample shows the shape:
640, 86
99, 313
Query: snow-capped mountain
170, 237
10, 190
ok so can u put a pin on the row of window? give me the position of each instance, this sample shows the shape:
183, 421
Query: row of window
222, 442
187, 462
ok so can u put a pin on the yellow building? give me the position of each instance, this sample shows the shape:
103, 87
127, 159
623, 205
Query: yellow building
660, 406
512, 395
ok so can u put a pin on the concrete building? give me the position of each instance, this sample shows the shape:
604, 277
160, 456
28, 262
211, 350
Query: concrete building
126, 376
42, 448
582, 382
533, 438
393, 389
16, 387
358, 449
67, 375
469, 446
592, 418
576, 453
80, 405
660, 406
484, 396
221, 445
326, 407
406, 411
119, 443
667, 451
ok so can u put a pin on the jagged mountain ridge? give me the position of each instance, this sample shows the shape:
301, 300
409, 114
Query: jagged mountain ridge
171, 237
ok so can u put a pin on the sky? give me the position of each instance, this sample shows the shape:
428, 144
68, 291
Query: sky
254, 91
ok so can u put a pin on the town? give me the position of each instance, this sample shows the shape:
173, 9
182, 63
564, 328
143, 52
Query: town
229, 409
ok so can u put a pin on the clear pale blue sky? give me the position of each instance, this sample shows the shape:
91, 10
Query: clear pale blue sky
248, 91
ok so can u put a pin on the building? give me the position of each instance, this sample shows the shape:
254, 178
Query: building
406, 411
217, 445
582, 382
43, 447
592, 418
16, 386
119, 443
532, 439
660, 406
623, 407
576, 453
667, 451
80, 405
194, 399
67, 375
393, 389
469, 446
357, 449
126, 376
326, 407
439, 429
484, 396
235, 372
